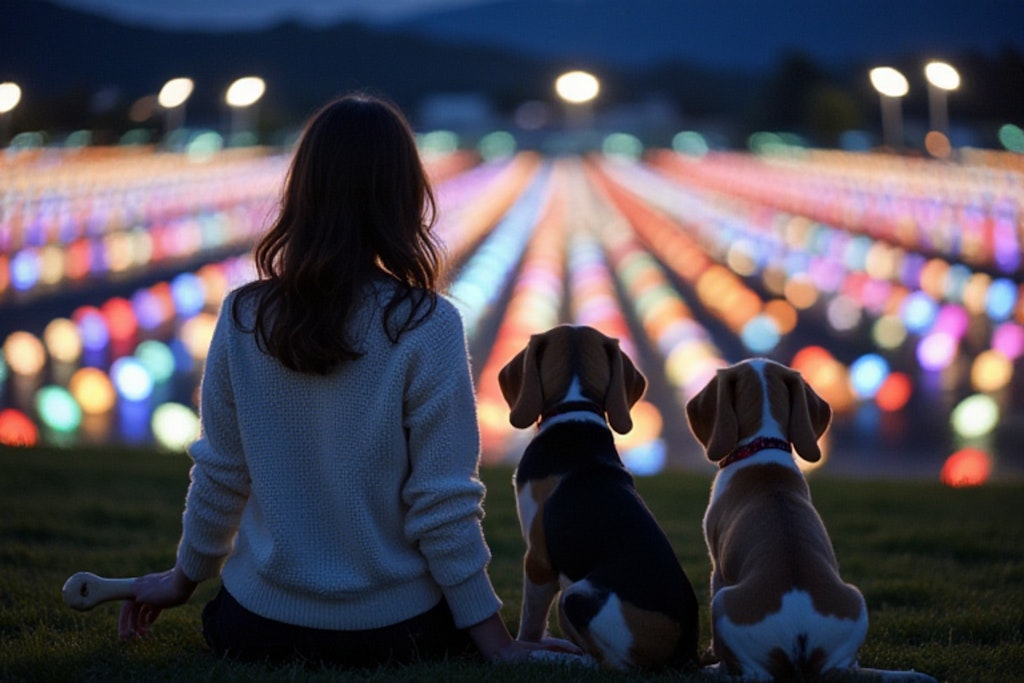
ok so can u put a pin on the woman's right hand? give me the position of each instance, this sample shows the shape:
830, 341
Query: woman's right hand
153, 593
494, 642
545, 650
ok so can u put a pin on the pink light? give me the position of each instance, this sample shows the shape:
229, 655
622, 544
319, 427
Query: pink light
1009, 339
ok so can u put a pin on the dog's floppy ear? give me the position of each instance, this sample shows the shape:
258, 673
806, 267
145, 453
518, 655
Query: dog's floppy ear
809, 416
712, 416
520, 384
625, 387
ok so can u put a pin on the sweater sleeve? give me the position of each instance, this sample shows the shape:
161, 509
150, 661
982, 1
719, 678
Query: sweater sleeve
220, 483
444, 493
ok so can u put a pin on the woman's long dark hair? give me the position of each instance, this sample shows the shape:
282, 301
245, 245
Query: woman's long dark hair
357, 203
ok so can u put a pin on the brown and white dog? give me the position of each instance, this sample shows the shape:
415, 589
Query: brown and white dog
779, 608
625, 599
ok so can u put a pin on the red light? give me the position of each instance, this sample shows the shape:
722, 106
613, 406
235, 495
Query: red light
16, 429
967, 467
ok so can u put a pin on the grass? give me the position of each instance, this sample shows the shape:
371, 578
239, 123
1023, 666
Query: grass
942, 570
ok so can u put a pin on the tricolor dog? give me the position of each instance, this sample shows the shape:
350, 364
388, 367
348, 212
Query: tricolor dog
624, 599
779, 608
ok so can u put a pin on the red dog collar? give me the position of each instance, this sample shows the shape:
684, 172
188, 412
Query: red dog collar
757, 445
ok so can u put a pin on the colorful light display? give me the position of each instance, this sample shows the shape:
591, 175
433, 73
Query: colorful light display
884, 280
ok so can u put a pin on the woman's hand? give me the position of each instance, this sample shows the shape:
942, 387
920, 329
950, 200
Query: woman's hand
153, 593
495, 644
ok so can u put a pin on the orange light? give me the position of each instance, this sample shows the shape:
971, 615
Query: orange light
647, 423
93, 390
967, 467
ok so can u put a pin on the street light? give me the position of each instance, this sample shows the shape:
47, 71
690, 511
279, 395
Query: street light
578, 89
10, 95
240, 96
172, 98
891, 86
941, 79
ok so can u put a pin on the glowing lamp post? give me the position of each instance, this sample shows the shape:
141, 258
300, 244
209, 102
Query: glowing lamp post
891, 86
241, 96
941, 79
10, 95
578, 89
172, 98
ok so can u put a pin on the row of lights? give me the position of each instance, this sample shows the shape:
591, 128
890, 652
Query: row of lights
240, 96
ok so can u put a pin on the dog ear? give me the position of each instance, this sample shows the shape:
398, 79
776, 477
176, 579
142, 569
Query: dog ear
625, 387
711, 414
809, 417
520, 384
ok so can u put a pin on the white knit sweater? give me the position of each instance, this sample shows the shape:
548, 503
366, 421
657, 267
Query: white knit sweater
347, 501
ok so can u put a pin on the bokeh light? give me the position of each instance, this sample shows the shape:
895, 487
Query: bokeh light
92, 390
16, 429
967, 467
63, 341
24, 353
131, 379
175, 426
867, 375
57, 409
976, 415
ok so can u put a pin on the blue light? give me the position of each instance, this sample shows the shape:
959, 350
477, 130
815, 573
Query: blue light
189, 294
646, 459
760, 334
919, 311
132, 380
867, 374
25, 269
1001, 299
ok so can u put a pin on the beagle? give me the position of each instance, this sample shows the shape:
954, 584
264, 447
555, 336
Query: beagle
779, 608
624, 598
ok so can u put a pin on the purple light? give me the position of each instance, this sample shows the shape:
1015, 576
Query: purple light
93, 328
936, 350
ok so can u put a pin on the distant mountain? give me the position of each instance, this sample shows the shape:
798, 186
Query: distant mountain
80, 70
732, 35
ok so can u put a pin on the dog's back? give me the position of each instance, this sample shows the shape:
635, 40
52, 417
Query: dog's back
782, 608
629, 594
624, 596
779, 607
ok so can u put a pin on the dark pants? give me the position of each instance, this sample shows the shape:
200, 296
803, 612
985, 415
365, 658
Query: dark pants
235, 632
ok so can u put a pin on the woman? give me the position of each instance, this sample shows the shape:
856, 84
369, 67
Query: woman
335, 483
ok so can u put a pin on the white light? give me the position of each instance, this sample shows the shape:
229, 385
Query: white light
10, 95
942, 75
245, 91
577, 87
175, 92
889, 82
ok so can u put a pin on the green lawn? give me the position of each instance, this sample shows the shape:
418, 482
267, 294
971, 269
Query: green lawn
942, 571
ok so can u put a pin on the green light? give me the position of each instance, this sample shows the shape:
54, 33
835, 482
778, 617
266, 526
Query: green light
57, 409
690, 143
438, 142
497, 145
157, 358
1012, 138
623, 145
